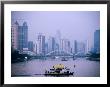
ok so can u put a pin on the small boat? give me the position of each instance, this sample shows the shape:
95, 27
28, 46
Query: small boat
64, 59
58, 70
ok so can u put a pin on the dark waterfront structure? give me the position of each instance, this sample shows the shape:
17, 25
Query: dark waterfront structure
97, 41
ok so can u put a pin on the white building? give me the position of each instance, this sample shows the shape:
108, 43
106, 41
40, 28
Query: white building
65, 45
14, 36
41, 44
51, 44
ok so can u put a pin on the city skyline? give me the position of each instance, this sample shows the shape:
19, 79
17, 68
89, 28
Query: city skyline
20, 42
72, 25
40, 42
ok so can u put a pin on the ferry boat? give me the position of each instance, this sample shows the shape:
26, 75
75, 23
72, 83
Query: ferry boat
58, 70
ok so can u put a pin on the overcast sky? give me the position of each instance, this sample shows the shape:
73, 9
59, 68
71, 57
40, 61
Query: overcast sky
73, 25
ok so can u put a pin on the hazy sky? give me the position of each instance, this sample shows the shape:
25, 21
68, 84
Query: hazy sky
73, 25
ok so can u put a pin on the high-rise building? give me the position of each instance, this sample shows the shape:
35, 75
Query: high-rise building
75, 47
51, 44
81, 48
71, 50
41, 44
87, 46
22, 37
46, 48
30, 46
58, 40
65, 45
97, 41
14, 35
35, 48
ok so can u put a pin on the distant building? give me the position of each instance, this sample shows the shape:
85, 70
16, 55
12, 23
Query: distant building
87, 46
81, 48
51, 44
41, 44
57, 46
65, 45
22, 37
97, 41
75, 47
30, 46
14, 35
71, 50
46, 48
35, 48
25, 51
58, 40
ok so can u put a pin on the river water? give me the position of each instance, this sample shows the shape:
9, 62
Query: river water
37, 67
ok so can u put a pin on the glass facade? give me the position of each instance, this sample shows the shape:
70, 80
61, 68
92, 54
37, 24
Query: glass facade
22, 37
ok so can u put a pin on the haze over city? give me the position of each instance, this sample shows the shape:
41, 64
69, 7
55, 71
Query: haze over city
55, 43
73, 25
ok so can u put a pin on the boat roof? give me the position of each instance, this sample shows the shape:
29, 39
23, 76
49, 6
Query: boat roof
60, 66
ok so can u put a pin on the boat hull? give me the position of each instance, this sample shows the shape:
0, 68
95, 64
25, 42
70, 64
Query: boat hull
58, 74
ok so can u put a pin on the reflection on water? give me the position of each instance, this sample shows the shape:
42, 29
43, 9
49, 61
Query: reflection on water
37, 67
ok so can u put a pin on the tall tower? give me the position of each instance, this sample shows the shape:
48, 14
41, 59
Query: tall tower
41, 44
87, 46
30, 46
14, 35
65, 45
97, 41
75, 47
51, 44
81, 47
22, 37
58, 40
46, 48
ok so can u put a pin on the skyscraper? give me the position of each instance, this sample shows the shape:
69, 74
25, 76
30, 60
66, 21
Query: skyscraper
30, 46
75, 47
41, 44
81, 48
87, 46
14, 35
65, 45
35, 48
22, 37
97, 41
58, 40
46, 48
51, 44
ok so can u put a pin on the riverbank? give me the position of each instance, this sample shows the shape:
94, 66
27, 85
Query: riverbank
93, 59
